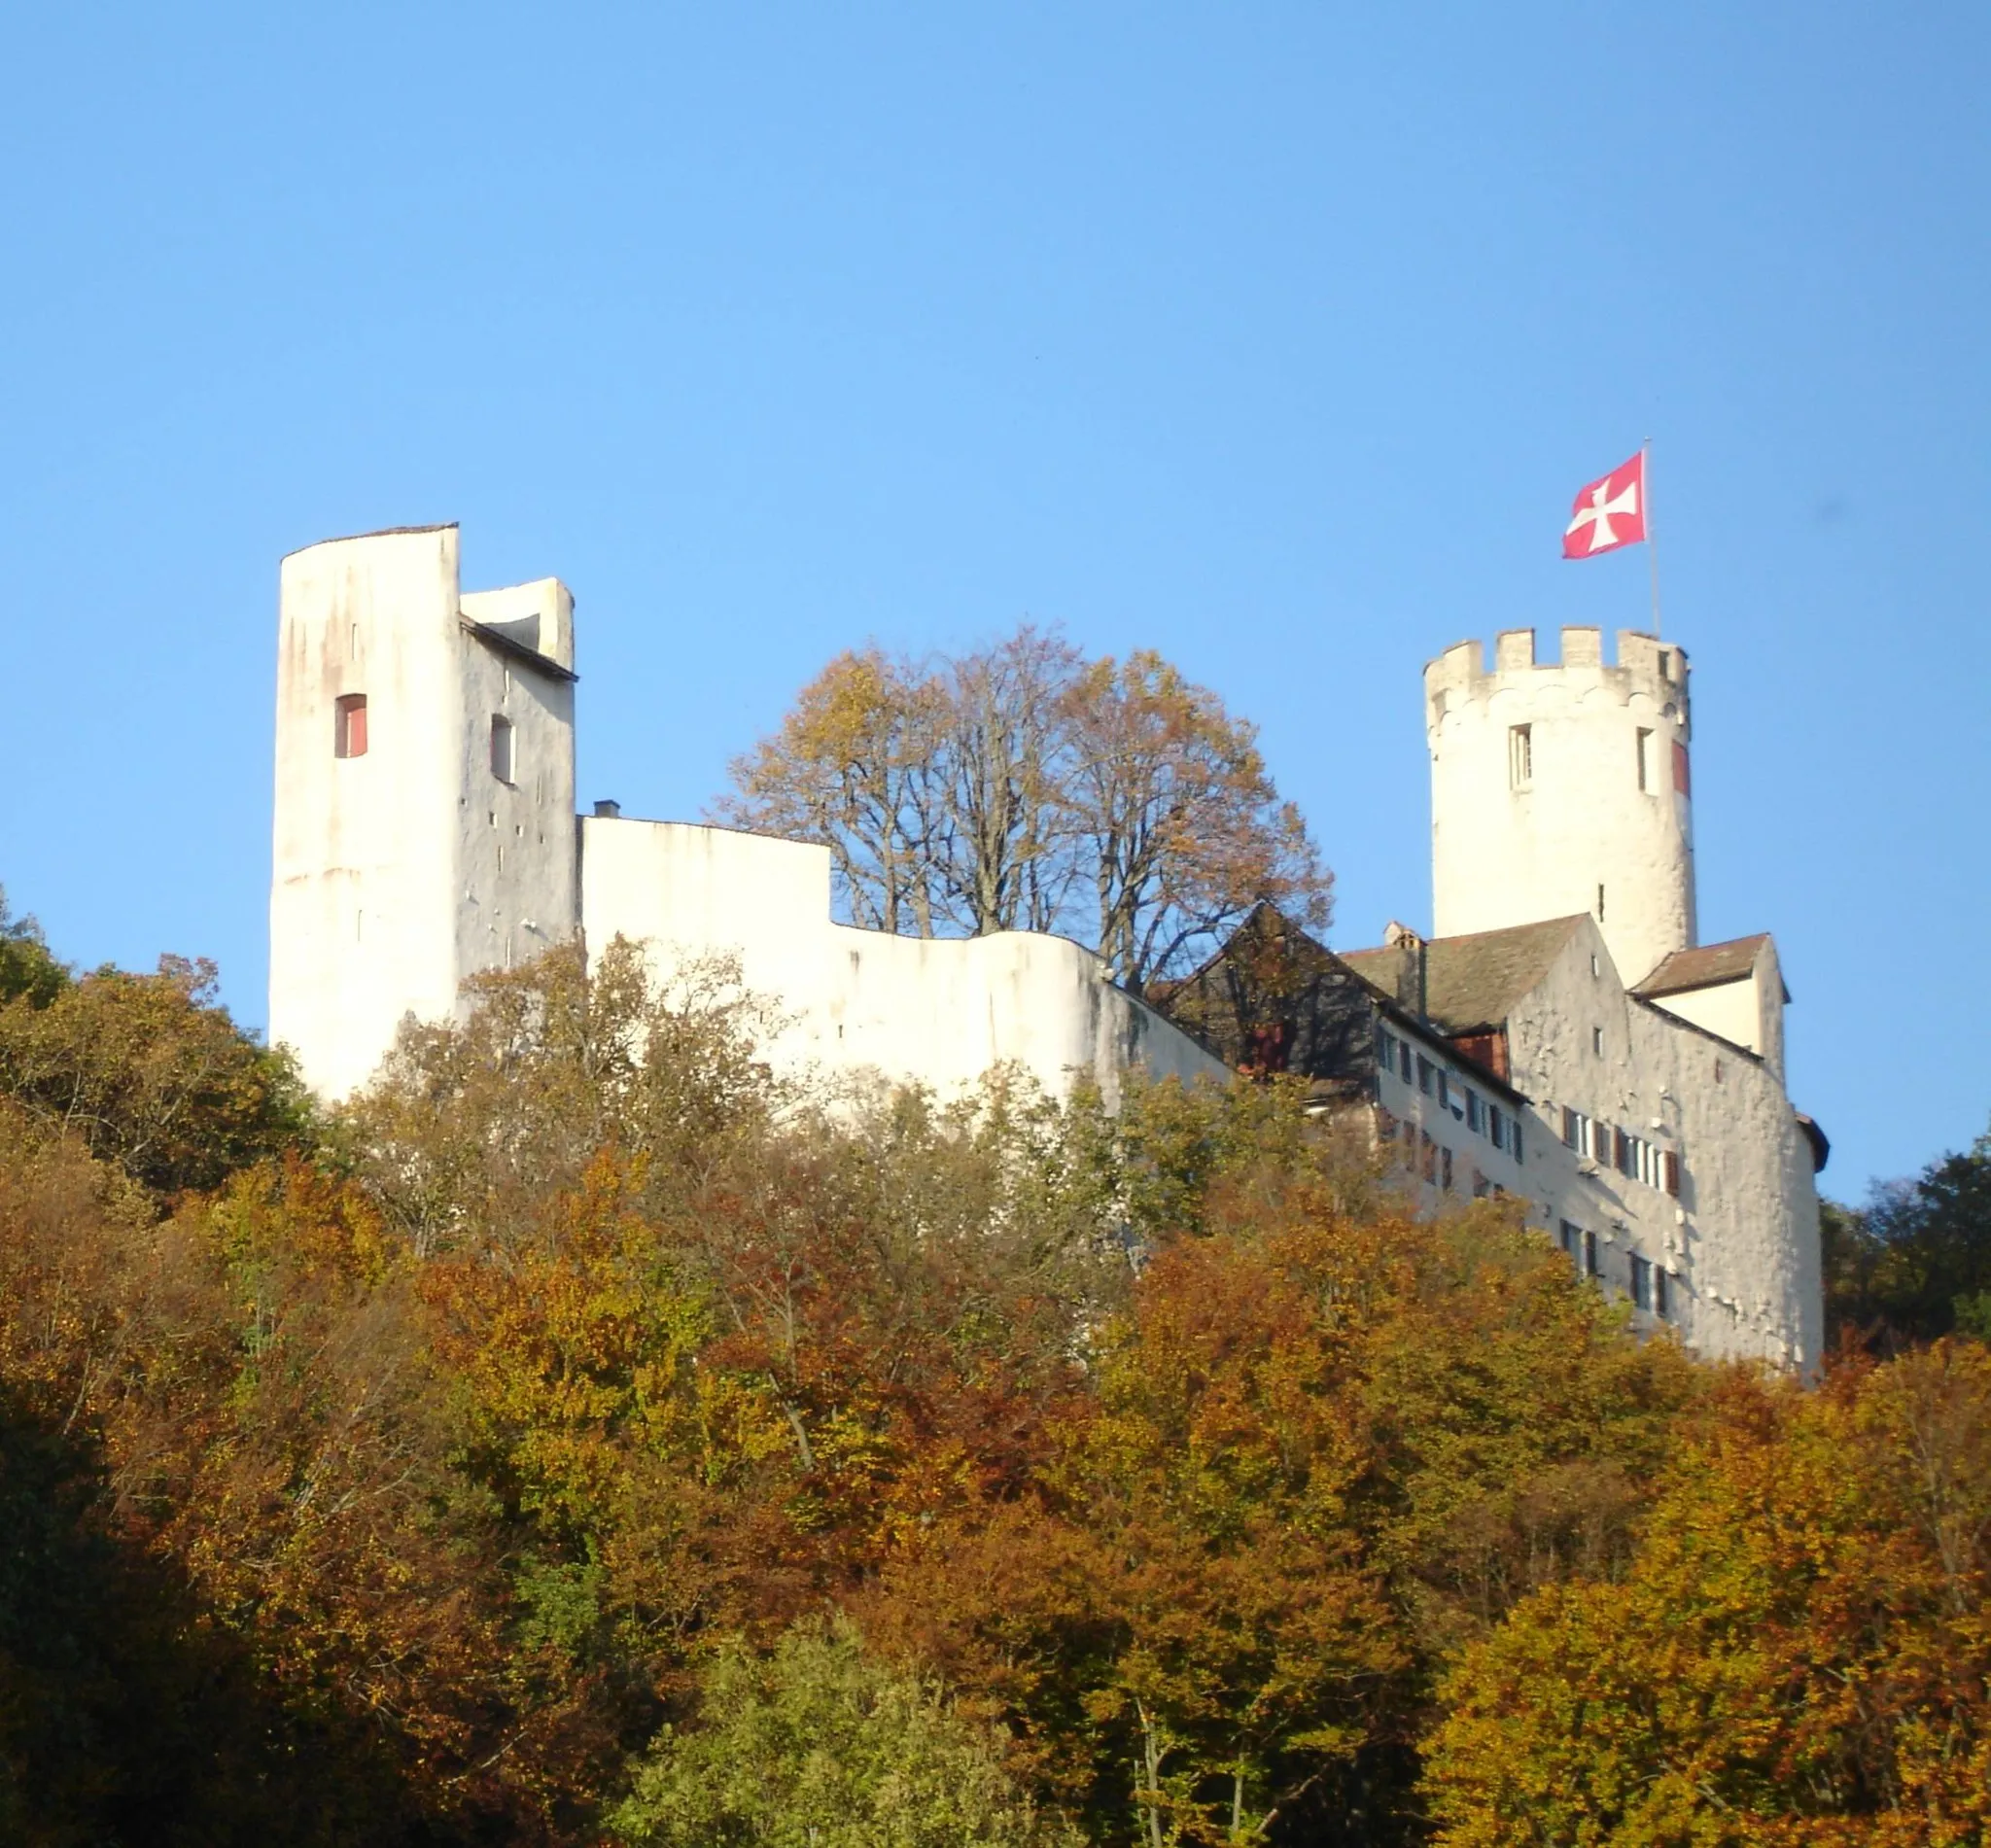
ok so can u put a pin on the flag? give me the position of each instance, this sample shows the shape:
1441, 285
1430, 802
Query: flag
1608, 513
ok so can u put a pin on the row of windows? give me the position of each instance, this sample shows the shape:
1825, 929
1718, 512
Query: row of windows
1520, 760
1650, 1288
349, 734
1426, 1155
1481, 1115
1632, 1156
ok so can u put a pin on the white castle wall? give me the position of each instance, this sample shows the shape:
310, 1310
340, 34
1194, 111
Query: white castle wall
403, 870
942, 1011
1509, 848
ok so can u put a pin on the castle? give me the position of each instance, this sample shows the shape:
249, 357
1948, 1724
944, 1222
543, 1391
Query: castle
1560, 1038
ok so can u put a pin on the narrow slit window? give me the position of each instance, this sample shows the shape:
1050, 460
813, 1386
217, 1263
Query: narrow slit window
1647, 779
1682, 776
349, 726
501, 746
1521, 757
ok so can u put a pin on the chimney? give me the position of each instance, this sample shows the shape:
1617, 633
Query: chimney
609, 810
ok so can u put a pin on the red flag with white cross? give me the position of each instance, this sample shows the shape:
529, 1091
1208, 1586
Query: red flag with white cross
1608, 513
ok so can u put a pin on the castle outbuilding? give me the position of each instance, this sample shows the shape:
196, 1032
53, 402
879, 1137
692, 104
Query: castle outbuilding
1562, 1039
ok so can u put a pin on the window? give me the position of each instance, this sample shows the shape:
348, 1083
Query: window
1444, 1169
1662, 1296
1476, 1113
1669, 1172
1443, 1090
1496, 1125
1402, 1059
1570, 1238
1641, 1283
1648, 778
1576, 1130
1514, 1138
1521, 757
1597, 1041
1430, 1153
349, 726
501, 746
1385, 1049
1427, 1076
1481, 1185
1597, 968
1683, 781
1591, 1267
1600, 904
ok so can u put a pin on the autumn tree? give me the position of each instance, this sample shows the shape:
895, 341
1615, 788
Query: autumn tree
150, 1072
1797, 1652
1023, 786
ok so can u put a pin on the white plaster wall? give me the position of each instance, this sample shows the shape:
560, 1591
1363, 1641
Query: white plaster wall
939, 1012
1504, 855
1741, 1241
387, 888
363, 892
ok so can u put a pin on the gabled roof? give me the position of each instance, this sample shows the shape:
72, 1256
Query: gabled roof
1471, 983
1706, 967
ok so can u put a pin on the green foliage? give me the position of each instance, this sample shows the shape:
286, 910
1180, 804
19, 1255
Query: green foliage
823, 1746
1915, 1263
27, 971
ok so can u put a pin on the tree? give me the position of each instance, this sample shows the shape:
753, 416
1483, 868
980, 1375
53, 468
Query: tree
1023, 786
821, 1746
1914, 1263
858, 767
150, 1072
27, 968
1183, 831
1797, 1653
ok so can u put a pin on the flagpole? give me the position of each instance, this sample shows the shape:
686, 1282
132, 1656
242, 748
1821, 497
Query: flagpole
1652, 544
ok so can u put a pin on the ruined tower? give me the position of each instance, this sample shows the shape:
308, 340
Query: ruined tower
425, 823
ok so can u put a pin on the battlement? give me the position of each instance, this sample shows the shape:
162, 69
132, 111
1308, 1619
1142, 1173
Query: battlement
1644, 664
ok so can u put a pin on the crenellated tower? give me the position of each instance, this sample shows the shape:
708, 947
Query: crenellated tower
1557, 790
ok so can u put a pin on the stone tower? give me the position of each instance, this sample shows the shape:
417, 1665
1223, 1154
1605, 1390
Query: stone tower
425, 825
1563, 789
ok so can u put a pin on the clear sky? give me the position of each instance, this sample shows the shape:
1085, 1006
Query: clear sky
1277, 337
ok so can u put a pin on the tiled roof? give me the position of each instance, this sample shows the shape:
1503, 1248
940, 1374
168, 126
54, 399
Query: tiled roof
1472, 983
1706, 967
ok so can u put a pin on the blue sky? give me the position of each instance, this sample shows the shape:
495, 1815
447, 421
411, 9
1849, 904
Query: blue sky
1275, 337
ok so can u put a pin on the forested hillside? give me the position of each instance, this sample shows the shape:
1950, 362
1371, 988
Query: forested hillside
585, 1436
